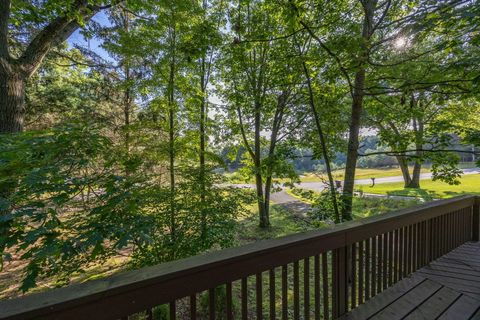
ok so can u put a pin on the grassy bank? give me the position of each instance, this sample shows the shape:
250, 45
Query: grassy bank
362, 206
470, 184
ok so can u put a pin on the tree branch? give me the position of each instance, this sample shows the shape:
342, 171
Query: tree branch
324, 47
244, 136
54, 33
333, 55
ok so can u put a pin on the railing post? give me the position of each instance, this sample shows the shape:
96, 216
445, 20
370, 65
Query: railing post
428, 241
340, 294
476, 219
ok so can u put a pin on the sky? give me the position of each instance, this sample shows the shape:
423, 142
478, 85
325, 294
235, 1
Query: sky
93, 44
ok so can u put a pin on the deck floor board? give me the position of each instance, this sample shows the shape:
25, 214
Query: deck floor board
448, 288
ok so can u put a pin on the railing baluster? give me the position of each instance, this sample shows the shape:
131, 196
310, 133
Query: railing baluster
471, 216
396, 256
380, 263
450, 231
259, 295
401, 248
466, 218
316, 267
391, 253
244, 285
353, 274
425, 243
385, 261
272, 294
326, 304
340, 277
285, 292
434, 242
193, 306
374, 267
211, 304
296, 291
361, 265
419, 245
367, 269
414, 246
229, 302
306, 288
476, 220
457, 228
410, 249
437, 237
428, 241
173, 310
445, 234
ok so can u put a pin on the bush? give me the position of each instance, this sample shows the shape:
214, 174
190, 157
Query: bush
72, 199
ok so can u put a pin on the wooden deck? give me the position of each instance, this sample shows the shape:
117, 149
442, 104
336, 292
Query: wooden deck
447, 289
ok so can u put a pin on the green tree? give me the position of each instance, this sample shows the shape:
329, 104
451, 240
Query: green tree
47, 24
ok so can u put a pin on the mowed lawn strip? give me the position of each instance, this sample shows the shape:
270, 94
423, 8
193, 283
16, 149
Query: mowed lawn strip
470, 184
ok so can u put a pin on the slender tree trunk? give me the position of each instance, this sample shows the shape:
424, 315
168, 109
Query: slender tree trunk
353, 143
171, 136
277, 122
403, 164
323, 145
126, 111
357, 108
203, 113
127, 98
264, 223
415, 182
417, 167
12, 100
262, 212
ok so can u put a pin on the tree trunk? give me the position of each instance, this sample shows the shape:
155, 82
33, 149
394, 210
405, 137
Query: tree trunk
415, 182
323, 144
262, 212
418, 131
264, 222
268, 189
403, 164
171, 137
12, 101
203, 113
357, 108
352, 151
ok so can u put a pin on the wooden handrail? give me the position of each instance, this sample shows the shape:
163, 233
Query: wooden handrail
134, 291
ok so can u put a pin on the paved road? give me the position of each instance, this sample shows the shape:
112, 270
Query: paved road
290, 203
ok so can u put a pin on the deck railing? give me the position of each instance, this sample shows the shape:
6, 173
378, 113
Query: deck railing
315, 275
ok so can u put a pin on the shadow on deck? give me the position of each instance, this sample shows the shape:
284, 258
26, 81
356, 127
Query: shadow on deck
447, 288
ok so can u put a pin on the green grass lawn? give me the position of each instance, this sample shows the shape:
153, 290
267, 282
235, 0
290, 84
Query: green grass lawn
360, 173
283, 223
363, 206
470, 184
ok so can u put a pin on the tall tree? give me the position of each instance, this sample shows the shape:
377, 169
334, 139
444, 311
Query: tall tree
53, 23
261, 89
